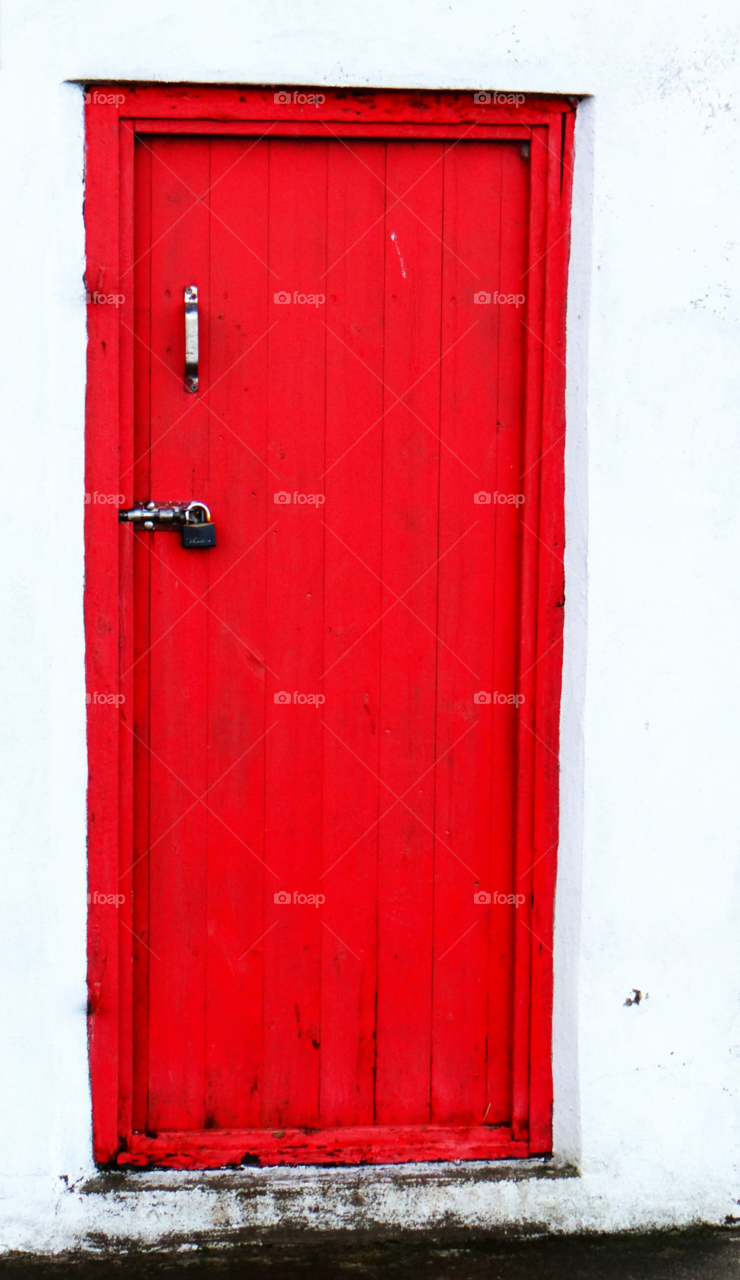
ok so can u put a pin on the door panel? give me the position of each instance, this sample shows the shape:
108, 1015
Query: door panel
396, 400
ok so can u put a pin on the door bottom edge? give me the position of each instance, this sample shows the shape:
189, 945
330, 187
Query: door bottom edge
387, 1144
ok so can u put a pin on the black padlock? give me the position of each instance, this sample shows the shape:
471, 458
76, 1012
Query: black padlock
199, 535
198, 530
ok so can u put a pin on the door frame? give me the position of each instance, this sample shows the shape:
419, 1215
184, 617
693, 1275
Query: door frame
114, 114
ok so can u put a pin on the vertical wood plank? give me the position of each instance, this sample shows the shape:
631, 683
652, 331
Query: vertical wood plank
525, 851
509, 521
241, 490
101, 615
136, 659
463, 817
408, 656
551, 600
354, 289
293, 769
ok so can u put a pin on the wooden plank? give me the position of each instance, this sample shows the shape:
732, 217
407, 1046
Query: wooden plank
469, 375
509, 521
216, 103
526, 757
138, 482
337, 129
382, 1144
354, 288
410, 553
296, 416
127, 638
241, 489
550, 604
101, 620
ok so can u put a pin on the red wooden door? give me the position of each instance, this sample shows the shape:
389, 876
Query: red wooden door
332, 884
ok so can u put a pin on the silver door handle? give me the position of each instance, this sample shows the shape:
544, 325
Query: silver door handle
191, 338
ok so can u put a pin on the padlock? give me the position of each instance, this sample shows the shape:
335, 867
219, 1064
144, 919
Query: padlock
198, 530
199, 535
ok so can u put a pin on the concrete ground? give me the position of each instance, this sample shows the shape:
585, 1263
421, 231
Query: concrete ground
697, 1255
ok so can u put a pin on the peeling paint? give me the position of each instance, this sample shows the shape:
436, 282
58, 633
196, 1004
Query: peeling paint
394, 238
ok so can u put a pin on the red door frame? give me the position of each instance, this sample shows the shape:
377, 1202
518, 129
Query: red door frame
114, 114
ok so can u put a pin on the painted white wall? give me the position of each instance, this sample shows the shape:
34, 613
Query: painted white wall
649, 889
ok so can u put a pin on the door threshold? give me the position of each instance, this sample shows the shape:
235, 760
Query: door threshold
297, 1178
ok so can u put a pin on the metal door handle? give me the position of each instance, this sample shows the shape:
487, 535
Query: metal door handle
191, 338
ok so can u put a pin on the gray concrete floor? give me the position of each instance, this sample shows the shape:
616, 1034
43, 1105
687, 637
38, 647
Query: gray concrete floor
697, 1255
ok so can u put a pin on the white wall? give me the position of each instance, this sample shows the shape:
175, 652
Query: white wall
649, 891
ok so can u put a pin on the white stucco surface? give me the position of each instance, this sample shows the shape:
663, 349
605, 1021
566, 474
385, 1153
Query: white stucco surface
649, 887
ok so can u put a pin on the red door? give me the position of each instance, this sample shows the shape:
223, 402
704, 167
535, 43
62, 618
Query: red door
333, 909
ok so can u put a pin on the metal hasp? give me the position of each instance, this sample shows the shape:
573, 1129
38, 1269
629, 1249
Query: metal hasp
191, 338
192, 519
